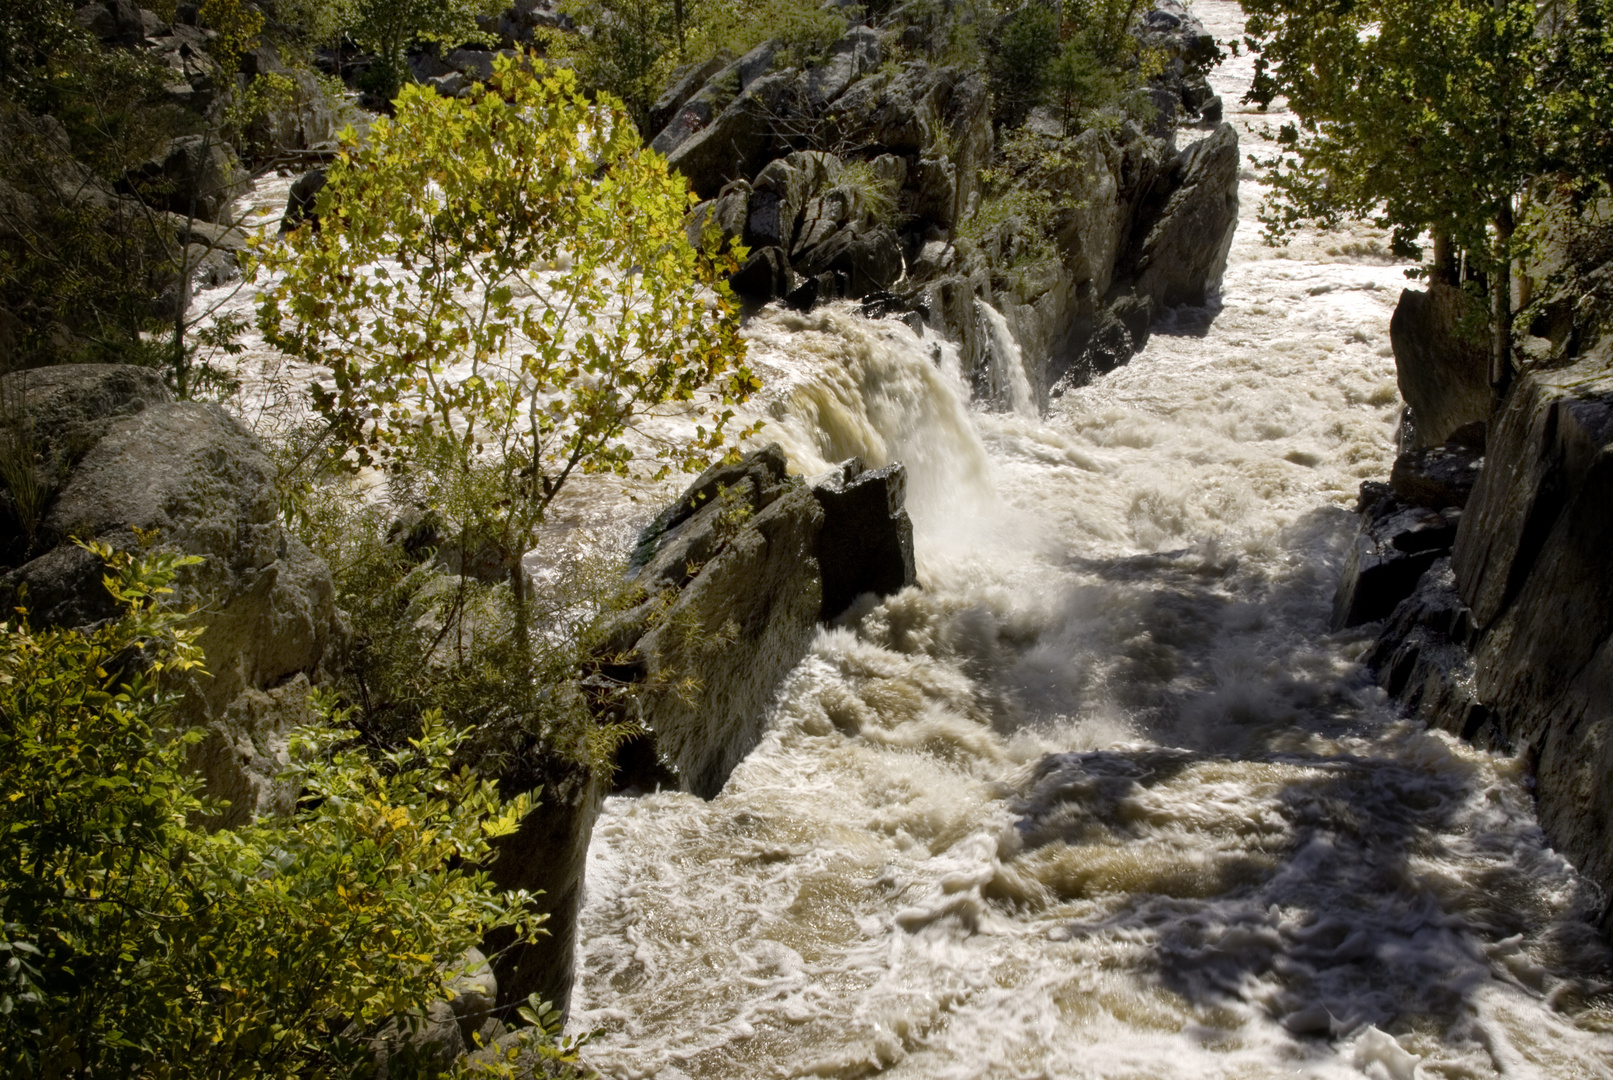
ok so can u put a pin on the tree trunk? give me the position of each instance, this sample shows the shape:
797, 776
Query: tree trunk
1445, 258
1501, 305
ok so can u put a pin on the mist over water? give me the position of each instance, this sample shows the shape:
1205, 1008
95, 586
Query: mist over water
1103, 797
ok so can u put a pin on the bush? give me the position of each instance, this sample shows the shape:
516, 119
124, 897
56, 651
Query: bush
135, 944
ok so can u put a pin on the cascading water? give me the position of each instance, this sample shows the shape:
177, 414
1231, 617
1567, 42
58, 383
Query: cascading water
1103, 798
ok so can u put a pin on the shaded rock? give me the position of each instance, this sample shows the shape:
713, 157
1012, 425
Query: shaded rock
1395, 546
1173, 29
548, 853
866, 545
1531, 562
781, 192
307, 120
300, 202
1183, 253
422, 1044
1440, 476
765, 276
729, 213
1443, 372
473, 994
868, 259
740, 550
711, 101
197, 176
686, 81
1422, 658
740, 140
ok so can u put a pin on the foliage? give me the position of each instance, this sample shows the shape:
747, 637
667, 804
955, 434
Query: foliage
876, 193
387, 28
502, 288
1433, 115
139, 945
632, 47
238, 25
1019, 65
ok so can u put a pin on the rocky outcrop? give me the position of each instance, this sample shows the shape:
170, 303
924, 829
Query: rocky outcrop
737, 575
1509, 640
117, 456
1441, 360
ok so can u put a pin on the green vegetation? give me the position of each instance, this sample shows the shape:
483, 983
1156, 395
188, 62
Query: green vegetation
1437, 115
135, 944
1089, 61
632, 47
387, 28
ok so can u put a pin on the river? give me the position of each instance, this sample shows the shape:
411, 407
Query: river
1103, 797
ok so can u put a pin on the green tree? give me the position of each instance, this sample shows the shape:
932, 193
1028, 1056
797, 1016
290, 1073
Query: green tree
133, 943
501, 287
386, 28
1434, 115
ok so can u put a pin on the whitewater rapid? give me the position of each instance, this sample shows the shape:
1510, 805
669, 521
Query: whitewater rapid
1103, 797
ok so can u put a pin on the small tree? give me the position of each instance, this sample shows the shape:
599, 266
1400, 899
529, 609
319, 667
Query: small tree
1434, 115
501, 287
387, 28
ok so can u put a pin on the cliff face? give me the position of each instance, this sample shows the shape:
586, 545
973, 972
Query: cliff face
1507, 638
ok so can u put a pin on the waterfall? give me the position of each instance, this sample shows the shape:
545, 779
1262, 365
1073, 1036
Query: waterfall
1009, 382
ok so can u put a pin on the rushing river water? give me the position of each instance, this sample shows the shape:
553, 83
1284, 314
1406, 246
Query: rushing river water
1103, 797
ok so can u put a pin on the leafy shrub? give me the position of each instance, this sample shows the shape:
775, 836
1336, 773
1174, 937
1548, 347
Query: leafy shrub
135, 944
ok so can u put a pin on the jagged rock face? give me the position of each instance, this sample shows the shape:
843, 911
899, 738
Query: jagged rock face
1531, 561
193, 477
738, 573
1394, 548
1184, 251
1443, 374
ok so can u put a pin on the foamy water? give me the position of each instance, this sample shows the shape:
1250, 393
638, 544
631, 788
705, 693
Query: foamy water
1102, 797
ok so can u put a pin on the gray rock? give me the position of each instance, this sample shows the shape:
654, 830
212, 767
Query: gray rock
424, 1043
1184, 252
1443, 373
197, 176
1440, 476
729, 212
866, 257
866, 545
300, 202
851, 57
765, 276
193, 476
781, 192
712, 99
308, 120
686, 81
741, 139
473, 994
1395, 546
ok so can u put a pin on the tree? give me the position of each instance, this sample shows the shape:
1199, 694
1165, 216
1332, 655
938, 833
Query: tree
387, 28
501, 287
1434, 115
135, 943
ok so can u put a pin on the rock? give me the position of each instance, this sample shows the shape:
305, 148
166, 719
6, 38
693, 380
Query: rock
1422, 658
851, 57
712, 99
764, 276
1395, 546
473, 995
476, 63
866, 258
1183, 253
866, 545
780, 195
422, 1044
739, 550
1212, 111
686, 81
1171, 28
741, 139
308, 120
193, 476
1531, 561
1444, 375
547, 854
198, 176
300, 202
729, 212
1440, 476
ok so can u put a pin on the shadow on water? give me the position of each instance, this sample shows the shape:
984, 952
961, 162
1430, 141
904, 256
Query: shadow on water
1188, 322
1389, 881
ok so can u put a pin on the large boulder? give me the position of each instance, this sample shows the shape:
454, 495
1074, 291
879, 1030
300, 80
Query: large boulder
1442, 366
192, 479
197, 176
699, 109
1181, 252
737, 575
741, 139
851, 57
